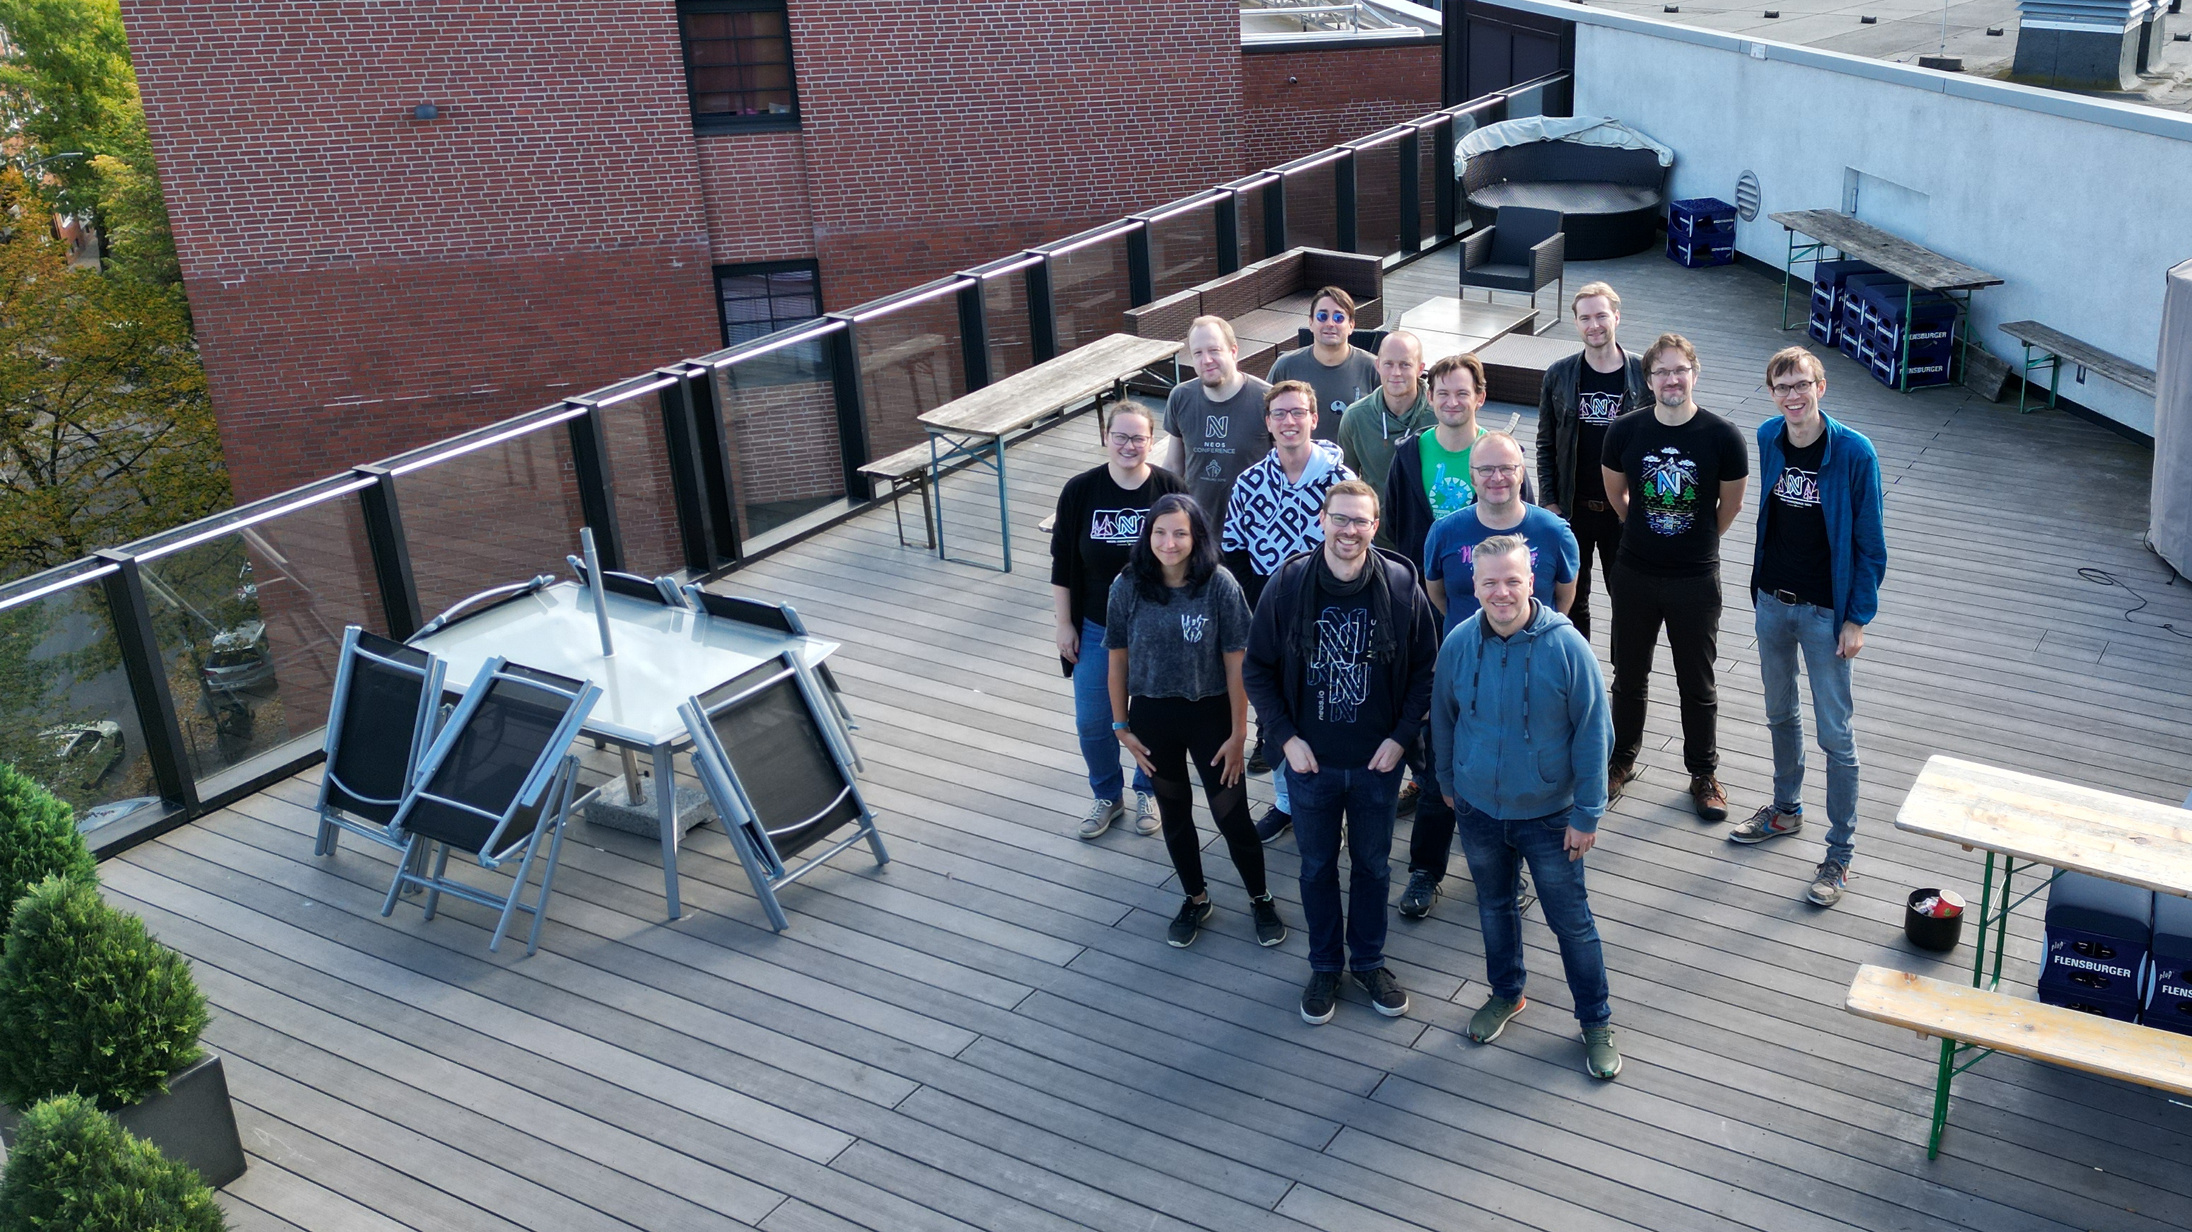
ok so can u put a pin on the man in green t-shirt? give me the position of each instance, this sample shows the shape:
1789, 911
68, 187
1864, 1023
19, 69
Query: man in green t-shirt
1430, 474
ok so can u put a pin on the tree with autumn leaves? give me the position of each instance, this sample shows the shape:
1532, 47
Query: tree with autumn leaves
106, 434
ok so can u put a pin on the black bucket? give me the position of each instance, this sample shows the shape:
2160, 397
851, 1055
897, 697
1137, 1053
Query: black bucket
1938, 933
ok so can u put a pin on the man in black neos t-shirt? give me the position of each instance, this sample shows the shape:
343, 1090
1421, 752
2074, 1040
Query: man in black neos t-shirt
1676, 477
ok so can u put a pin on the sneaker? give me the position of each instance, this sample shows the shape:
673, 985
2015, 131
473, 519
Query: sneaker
1189, 922
1619, 775
1711, 799
1320, 997
1385, 992
1600, 1058
1524, 895
1272, 824
1828, 882
1768, 822
1146, 820
1270, 929
1100, 816
1489, 1021
1410, 792
1422, 891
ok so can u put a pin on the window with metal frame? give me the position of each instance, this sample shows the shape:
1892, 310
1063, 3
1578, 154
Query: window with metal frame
738, 64
764, 297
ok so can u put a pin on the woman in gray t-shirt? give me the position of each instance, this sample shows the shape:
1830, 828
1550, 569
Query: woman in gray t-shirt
1177, 632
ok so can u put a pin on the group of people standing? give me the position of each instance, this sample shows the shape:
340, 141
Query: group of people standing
1406, 607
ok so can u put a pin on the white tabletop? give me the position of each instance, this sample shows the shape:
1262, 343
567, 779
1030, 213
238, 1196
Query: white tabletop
2061, 825
663, 655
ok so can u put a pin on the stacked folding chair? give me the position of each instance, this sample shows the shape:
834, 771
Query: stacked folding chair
496, 784
780, 774
380, 723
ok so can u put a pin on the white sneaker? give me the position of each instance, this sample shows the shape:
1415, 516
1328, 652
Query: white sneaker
1146, 820
1100, 816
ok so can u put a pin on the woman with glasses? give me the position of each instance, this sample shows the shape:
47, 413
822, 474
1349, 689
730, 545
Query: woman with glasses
1178, 633
1101, 515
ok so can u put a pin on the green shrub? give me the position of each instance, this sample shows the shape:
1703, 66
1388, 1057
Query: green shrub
90, 1002
74, 1170
38, 838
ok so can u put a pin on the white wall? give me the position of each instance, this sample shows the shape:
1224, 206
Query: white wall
2082, 206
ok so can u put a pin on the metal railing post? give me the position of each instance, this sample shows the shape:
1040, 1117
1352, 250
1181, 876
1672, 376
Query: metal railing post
1410, 157
1445, 190
1140, 289
695, 536
1042, 311
147, 675
391, 551
1343, 204
974, 334
1274, 216
1226, 226
852, 415
596, 495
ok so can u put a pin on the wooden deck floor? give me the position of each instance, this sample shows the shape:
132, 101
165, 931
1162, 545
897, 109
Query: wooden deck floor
991, 1033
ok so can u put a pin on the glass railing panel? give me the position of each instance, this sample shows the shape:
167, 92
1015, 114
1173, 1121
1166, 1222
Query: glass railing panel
500, 512
1430, 165
1312, 211
67, 717
1377, 198
1088, 289
1005, 320
639, 481
911, 362
777, 412
1183, 249
250, 626
1250, 205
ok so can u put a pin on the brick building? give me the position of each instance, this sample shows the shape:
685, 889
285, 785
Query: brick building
401, 218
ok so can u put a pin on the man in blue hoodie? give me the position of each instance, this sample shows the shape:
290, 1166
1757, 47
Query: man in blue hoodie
1815, 585
1519, 732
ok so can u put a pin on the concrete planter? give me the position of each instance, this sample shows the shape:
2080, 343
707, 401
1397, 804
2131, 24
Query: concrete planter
191, 1123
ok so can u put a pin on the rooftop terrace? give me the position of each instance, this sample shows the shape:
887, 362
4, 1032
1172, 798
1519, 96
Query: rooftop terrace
991, 1033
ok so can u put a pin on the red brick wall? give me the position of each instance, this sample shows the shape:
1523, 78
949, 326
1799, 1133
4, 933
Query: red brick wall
1335, 95
952, 131
363, 282
756, 189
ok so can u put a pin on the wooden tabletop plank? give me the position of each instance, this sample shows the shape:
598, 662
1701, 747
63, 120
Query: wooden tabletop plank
2012, 1024
2060, 825
1024, 397
1918, 266
2115, 367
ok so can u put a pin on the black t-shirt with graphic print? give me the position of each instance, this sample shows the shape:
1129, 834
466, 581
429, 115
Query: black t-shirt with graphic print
1798, 557
1599, 399
1350, 711
1674, 475
1103, 521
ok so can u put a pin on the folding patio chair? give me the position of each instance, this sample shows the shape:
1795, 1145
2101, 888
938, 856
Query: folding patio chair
779, 775
496, 781
779, 618
378, 727
662, 590
486, 600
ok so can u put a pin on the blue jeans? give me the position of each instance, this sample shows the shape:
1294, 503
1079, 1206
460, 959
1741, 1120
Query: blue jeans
1495, 848
1362, 801
1783, 630
1092, 717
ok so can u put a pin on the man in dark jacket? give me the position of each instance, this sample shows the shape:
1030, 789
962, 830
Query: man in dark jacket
1582, 395
1339, 665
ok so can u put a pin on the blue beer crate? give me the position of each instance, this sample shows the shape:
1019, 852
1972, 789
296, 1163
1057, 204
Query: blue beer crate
1923, 335
1885, 305
2169, 994
1850, 342
2098, 933
1700, 253
1831, 274
1708, 220
1821, 328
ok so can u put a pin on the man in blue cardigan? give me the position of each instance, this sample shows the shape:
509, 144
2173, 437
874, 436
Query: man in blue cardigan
1815, 585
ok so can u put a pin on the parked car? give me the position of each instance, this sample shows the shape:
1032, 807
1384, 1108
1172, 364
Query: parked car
112, 811
86, 750
238, 659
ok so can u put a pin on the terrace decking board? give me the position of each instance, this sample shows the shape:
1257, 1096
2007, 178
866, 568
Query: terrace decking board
996, 1028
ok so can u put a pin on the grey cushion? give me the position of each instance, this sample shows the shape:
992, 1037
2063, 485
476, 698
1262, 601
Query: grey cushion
1569, 198
1518, 275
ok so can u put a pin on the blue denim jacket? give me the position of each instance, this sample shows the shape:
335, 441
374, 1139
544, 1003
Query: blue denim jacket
1849, 496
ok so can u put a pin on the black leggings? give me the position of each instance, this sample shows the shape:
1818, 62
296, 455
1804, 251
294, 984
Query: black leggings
1177, 731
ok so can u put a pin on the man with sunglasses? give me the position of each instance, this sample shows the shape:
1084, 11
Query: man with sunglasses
1676, 476
1815, 585
1341, 373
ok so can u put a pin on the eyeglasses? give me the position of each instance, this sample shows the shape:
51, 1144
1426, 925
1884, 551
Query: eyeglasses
1277, 413
1788, 389
1497, 470
1683, 371
1327, 314
1124, 441
1343, 522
